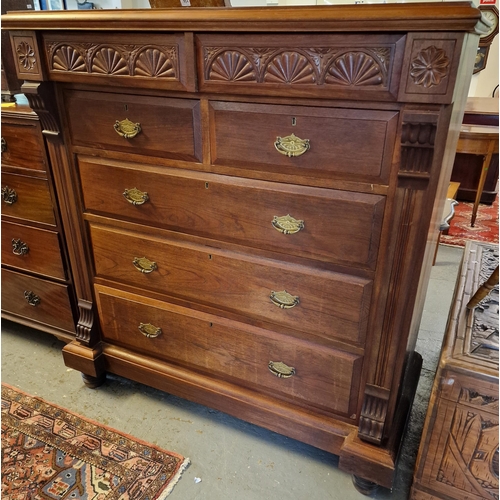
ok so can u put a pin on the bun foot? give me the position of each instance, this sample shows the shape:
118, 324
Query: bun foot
364, 486
93, 382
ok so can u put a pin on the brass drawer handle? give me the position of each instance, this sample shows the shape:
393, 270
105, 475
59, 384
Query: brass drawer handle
135, 196
9, 196
3, 143
281, 370
19, 247
144, 265
150, 331
286, 224
284, 300
126, 128
31, 298
291, 145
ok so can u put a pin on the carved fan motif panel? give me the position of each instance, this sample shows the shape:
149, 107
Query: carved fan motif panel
305, 66
338, 65
156, 61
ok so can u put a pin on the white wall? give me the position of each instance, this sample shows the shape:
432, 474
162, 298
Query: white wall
112, 4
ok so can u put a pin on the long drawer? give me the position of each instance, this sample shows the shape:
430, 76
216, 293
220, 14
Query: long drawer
328, 225
342, 143
331, 305
38, 299
322, 377
32, 249
22, 145
27, 198
135, 124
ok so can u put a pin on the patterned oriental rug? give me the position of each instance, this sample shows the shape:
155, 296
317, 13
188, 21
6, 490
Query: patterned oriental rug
52, 454
485, 229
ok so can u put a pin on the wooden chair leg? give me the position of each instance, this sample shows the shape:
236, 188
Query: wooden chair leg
483, 290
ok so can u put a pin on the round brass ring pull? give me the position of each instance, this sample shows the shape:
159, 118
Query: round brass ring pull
291, 145
135, 196
19, 247
126, 128
9, 196
280, 369
150, 331
3, 145
31, 298
284, 300
286, 224
144, 265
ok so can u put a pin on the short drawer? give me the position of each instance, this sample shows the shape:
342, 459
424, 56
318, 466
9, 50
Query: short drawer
346, 144
37, 299
27, 198
32, 249
328, 304
329, 225
22, 145
323, 377
135, 124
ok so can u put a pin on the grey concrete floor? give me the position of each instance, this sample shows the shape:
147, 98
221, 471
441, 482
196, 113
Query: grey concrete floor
234, 460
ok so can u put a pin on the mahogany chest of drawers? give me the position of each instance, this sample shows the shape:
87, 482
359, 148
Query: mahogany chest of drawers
36, 279
253, 197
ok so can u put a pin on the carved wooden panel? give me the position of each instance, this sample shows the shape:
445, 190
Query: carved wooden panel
462, 461
429, 72
418, 136
373, 414
29, 66
483, 342
335, 64
459, 451
151, 61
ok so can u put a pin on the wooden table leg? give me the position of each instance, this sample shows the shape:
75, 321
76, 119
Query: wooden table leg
482, 179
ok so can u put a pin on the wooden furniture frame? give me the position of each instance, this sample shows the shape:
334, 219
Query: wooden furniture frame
37, 283
364, 103
458, 454
482, 141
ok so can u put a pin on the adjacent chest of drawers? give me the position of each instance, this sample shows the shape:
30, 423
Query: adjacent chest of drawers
36, 281
253, 200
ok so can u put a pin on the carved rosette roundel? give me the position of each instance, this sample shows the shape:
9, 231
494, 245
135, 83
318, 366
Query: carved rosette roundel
429, 67
354, 68
26, 55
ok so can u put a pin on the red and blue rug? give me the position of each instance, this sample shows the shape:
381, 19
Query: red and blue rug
485, 229
52, 454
